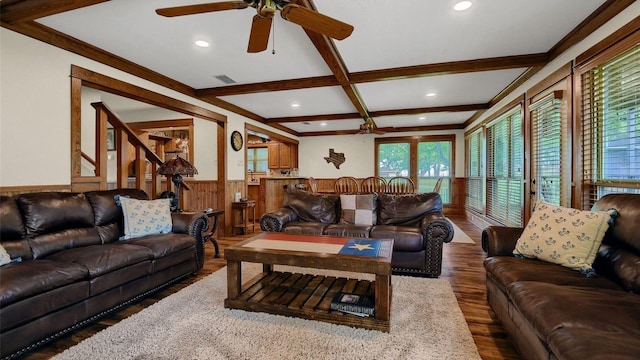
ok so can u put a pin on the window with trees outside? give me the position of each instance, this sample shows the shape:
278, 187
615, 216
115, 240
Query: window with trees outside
505, 163
423, 159
257, 159
611, 126
474, 171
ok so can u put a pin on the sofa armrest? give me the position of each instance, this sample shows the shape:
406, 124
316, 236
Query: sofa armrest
434, 226
275, 220
193, 224
500, 240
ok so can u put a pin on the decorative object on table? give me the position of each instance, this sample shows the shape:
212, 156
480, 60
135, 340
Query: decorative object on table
175, 168
354, 304
335, 158
236, 140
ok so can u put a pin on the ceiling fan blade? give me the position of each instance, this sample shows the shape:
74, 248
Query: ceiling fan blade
317, 22
201, 8
259, 37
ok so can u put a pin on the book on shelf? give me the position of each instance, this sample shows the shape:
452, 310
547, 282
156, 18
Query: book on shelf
355, 304
361, 247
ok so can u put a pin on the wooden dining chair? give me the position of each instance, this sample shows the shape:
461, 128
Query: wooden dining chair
436, 189
373, 184
346, 184
313, 185
400, 185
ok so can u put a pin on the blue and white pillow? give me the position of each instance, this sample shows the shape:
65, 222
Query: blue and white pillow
145, 217
5, 258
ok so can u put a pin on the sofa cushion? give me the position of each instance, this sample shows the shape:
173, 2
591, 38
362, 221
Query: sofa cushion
405, 238
102, 259
548, 307
575, 343
358, 209
323, 208
145, 217
506, 270
348, 230
29, 278
304, 228
164, 244
108, 217
564, 236
49, 212
407, 209
11, 226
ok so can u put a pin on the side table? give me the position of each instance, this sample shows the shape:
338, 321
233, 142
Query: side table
243, 208
208, 234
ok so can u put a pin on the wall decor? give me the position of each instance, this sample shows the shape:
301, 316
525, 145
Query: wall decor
335, 158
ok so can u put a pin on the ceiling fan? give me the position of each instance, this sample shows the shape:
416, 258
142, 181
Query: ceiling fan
370, 127
261, 25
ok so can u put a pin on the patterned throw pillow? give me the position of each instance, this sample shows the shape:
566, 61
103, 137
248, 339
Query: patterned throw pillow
564, 236
145, 217
358, 209
5, 258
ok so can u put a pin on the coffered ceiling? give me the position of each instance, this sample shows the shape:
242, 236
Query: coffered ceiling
408, 65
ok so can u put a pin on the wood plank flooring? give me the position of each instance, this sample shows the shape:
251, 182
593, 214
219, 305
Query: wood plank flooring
462, 266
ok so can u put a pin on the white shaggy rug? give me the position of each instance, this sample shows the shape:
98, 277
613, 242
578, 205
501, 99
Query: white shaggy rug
426, 323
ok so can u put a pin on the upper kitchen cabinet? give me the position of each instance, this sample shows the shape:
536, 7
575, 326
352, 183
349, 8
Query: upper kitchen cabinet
283, 156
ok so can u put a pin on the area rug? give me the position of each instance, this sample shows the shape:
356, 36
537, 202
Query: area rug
426, 323
459, 236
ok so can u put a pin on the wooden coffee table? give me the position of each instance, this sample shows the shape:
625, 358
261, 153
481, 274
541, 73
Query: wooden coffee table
308, 296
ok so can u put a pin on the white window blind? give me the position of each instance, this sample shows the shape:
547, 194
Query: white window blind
610, 127
505, 168
550, 153
474, 173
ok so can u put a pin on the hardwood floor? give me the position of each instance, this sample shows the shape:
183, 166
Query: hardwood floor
462, 266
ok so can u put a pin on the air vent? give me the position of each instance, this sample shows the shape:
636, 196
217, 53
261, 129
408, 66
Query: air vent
225, 79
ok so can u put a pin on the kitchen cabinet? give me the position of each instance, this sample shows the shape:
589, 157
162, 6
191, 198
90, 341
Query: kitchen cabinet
283, 156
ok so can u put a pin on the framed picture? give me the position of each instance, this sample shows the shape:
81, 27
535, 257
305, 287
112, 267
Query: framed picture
111, 140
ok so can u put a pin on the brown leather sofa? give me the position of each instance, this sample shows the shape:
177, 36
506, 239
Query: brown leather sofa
552, 312
73, 267
414, 221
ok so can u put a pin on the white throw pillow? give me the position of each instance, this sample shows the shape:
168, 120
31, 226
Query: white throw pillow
564, 236
145, 217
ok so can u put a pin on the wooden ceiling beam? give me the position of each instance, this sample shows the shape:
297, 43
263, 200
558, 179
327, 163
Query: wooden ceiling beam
453, 67
268, 86
13, 12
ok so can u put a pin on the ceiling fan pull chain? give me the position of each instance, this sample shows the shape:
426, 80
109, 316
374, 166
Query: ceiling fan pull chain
273, 38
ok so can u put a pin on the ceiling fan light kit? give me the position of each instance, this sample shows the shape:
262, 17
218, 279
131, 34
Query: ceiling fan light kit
262, 21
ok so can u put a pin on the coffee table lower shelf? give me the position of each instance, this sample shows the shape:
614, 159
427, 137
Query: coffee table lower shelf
304, 296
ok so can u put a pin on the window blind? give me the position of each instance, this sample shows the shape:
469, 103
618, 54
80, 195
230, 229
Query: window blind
505, 168
474, 174
550, 153
610, 127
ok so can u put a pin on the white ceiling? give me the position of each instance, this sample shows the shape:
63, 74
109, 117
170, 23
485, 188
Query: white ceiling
387, 35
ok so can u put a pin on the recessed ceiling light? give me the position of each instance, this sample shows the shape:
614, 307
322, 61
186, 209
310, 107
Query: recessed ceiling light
431, 94
295, 105
201, 43
422, 118
323, 124
462, 5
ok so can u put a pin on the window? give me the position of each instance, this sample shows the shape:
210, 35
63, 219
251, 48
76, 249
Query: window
505, 168
423, 159
474, 171
610, 126
257, 159
550, 152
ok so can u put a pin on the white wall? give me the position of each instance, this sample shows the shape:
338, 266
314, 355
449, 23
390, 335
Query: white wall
359, 153
35, 114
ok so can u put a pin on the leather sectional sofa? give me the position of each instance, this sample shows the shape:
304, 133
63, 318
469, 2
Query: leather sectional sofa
74, 268
553, 312
414, 221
